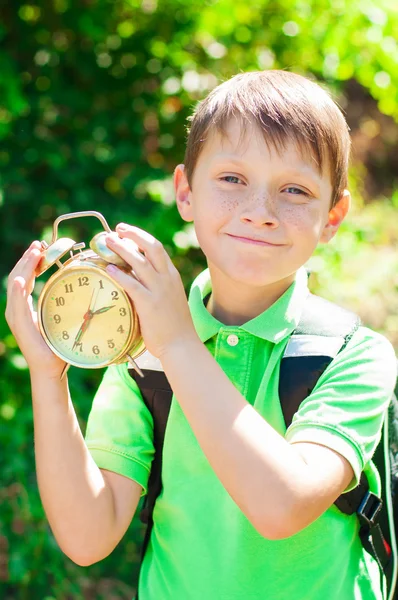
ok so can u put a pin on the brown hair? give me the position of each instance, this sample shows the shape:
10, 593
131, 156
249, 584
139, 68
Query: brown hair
286, 107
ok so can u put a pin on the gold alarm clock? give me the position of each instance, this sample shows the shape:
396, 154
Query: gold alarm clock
86, 318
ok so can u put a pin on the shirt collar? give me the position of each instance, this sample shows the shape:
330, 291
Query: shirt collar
274, 324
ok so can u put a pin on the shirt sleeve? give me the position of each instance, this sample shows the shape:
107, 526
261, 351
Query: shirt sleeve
346, 409
119, 432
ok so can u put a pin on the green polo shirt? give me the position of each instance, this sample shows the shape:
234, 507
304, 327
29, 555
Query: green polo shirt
202, 546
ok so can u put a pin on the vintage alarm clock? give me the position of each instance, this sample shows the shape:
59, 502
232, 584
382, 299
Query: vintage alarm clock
86, 318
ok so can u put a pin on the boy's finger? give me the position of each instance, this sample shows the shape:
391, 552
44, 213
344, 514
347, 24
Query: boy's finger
34, 245
18, 311
127, 249
149, 245
22, 320
134, 288
26, 266
28, 254
34, 251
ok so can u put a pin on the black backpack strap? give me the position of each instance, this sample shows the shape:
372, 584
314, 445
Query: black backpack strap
323, 331
157, 395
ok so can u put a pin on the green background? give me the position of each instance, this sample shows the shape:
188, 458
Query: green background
94, 97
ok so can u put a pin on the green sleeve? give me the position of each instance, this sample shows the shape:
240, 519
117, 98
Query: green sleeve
345, 411
119, 431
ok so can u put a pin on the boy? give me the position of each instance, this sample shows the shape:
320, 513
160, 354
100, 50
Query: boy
246, 509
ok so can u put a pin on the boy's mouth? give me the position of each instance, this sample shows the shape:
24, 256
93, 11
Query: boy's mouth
253, 240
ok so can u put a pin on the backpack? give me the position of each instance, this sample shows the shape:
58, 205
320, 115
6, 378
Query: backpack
323, 331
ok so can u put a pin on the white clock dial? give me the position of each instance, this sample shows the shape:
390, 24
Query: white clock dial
86, 317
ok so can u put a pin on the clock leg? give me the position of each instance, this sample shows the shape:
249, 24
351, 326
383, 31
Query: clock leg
134, 365
64, 370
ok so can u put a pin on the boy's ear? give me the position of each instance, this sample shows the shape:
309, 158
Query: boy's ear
336, 216
183, 193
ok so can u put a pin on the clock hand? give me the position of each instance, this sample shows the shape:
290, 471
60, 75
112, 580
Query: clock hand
88, 315
103, 309
87, 318
93, 300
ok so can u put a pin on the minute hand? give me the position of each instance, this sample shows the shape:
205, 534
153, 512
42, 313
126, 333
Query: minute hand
103, 309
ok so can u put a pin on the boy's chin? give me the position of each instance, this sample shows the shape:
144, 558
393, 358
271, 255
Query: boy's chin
253, 277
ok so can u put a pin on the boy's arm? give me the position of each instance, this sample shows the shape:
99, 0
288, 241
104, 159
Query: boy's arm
280, 487
88, 510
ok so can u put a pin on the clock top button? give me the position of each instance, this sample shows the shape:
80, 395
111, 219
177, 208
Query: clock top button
232, 340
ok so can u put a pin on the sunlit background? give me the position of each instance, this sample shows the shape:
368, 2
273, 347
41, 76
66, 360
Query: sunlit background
94, 100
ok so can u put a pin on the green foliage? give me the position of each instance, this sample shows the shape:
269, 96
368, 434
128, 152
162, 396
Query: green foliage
94, 96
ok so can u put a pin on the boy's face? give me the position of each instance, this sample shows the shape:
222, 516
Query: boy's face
258, 215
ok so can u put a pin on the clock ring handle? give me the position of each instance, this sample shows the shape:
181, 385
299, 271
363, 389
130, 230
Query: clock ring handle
75, 215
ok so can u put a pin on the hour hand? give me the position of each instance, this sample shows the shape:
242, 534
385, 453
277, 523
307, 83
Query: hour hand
79, 335
103, 309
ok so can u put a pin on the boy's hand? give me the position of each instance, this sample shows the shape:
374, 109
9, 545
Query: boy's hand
155, 287
22, 319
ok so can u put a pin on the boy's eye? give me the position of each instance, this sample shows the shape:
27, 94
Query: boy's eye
296, 191
231, 179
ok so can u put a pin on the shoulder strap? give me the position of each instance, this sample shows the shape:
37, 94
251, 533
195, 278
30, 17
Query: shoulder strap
324, 330
157, 394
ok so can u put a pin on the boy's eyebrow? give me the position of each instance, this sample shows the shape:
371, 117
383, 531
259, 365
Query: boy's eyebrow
228, 158
307, 171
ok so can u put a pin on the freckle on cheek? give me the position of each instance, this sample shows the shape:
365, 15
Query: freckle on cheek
295, 218
229, 203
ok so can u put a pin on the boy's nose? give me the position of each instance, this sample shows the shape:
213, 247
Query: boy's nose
260, 211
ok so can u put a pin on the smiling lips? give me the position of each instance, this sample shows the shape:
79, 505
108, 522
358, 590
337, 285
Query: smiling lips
255, 241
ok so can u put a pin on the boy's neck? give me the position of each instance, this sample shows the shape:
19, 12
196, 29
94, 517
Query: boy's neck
234, 303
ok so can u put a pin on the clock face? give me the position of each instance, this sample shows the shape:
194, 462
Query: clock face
86, 317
